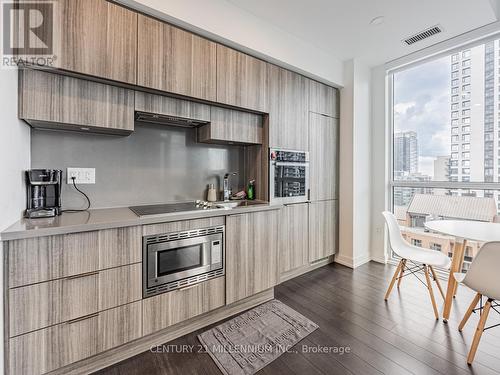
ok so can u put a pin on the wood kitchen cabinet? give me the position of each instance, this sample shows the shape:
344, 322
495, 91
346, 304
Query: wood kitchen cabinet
167, 309
323, 151
322, 229
251, 254
230, 126
241, 80
176, 61
48, 349
167, 106
54, 101
96, 37
294, 237
323, 99
288, 109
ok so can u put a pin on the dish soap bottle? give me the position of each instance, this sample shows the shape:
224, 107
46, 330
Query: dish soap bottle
251, 190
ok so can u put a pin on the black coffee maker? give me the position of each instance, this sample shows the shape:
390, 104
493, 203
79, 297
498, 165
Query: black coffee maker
43, 188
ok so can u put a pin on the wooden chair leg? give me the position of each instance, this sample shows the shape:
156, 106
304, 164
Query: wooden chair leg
479, 332
401, 273
469, 311
398, 269
431, 292
434, 275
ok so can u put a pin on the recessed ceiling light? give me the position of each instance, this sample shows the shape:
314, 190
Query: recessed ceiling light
377, 20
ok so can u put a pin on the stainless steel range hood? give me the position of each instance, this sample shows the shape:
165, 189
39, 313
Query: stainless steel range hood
155, 118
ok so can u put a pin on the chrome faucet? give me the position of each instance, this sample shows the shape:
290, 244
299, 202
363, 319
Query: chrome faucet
227, 189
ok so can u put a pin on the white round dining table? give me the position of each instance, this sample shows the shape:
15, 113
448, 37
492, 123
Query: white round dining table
463, 231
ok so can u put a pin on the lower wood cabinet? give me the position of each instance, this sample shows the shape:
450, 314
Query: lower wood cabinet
322, 229
34, 260
47, 349
251, 254
54, 101
294, 237
167, 309
44, 304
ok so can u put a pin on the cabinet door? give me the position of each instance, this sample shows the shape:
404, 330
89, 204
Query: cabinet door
230, 126
55, 101
323, 99
288, 113
294, 237
98, 38
322, 229
174, 60
323, 157
241, 79
251, 254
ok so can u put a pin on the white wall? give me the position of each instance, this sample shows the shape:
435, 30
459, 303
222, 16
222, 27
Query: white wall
379, 163
14, 159
354, 174
226, 23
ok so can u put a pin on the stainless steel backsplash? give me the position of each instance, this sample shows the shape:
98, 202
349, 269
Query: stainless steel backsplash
155, 164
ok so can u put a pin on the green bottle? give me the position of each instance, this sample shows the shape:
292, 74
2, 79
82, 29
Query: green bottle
251, 190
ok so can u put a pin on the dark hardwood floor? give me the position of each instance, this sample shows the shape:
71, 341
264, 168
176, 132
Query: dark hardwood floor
400, 336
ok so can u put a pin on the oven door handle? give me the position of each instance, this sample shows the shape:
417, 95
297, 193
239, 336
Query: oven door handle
206, 258
291, 164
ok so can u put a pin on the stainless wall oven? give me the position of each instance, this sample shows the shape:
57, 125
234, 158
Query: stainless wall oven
288, 176
175, 260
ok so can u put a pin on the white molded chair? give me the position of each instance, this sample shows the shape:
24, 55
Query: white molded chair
422, 259
484, 279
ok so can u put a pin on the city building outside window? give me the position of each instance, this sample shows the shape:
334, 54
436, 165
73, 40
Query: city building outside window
446, 144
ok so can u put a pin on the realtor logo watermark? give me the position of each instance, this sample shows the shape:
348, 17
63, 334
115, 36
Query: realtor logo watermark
27, 33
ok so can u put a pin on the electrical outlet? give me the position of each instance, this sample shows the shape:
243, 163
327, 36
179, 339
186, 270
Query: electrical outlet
83, 175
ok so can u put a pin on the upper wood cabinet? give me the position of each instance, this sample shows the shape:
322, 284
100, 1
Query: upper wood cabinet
322, 229
288, 109
173, 60
251, 254
294, 237
241, 80
55, 101
323, 151
164, 105
96, 37
230, 126
323, 99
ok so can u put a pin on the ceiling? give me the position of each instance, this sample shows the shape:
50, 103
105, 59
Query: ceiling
342, 27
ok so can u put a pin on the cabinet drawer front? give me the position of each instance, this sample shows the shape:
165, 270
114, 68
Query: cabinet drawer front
41, 305
118, 286
120, 246
47, 349
165, 105
179, 226
119, 326
39, 259
173, 307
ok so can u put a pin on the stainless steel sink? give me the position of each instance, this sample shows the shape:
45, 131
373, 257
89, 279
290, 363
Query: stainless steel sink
234, 204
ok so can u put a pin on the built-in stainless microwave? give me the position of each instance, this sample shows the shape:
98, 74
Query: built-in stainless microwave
176, 260
288, 176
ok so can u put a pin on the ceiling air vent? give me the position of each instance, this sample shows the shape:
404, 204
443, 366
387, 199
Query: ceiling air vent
423, 35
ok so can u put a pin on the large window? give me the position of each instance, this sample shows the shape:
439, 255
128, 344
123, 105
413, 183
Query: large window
446, 144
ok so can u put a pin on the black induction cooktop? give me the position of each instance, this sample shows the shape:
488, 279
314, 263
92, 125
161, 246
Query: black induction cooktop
169, 208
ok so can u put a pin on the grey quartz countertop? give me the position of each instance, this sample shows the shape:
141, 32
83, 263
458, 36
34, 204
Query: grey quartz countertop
106, 218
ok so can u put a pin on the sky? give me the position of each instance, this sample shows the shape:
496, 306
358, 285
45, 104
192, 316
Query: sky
422, 104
